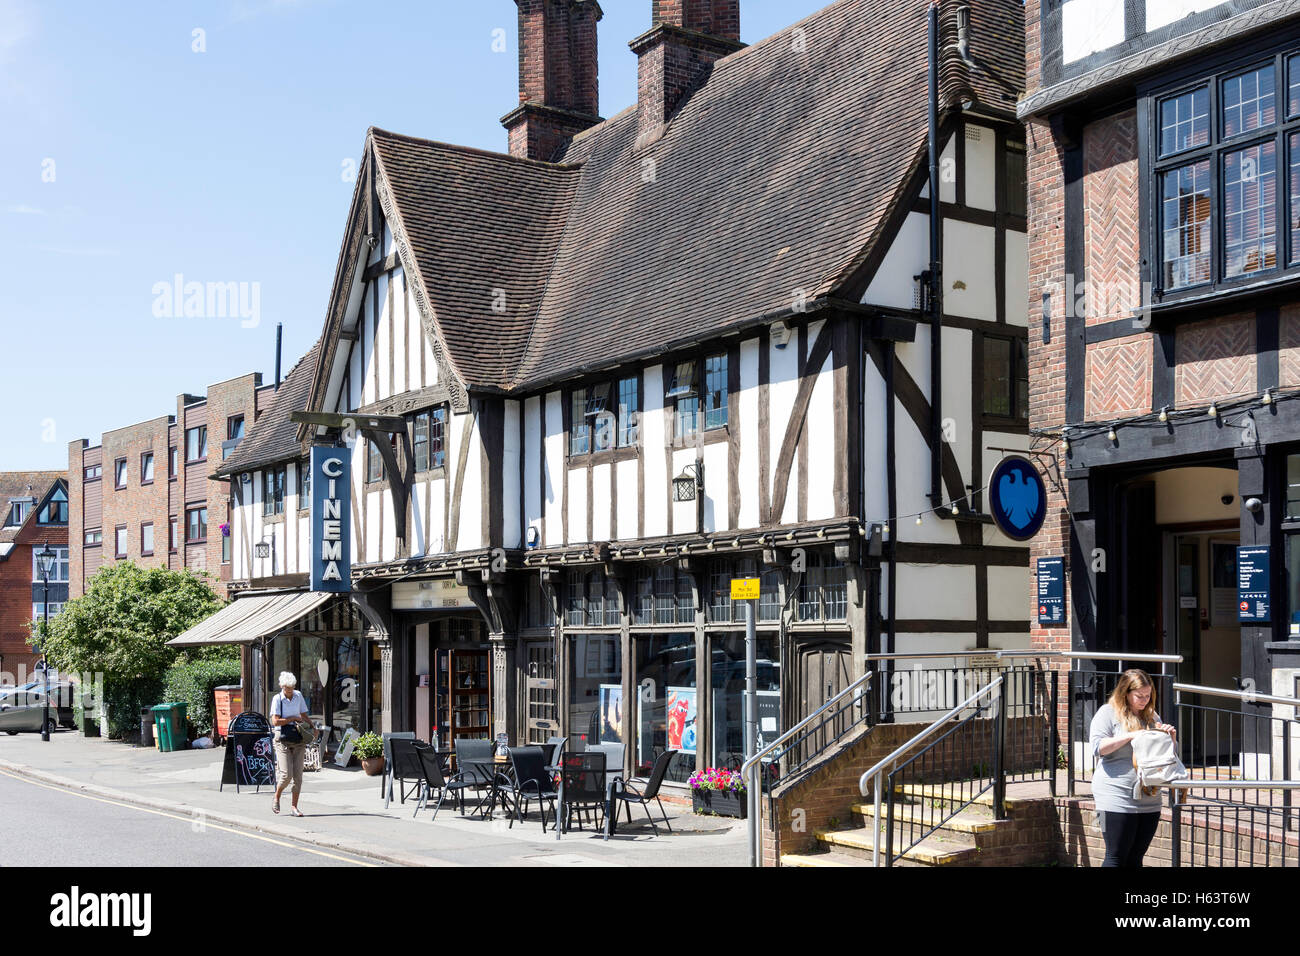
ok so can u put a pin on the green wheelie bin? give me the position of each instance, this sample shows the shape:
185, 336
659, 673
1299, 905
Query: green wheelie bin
163, 728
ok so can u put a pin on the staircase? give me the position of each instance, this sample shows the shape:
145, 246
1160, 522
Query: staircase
965, 833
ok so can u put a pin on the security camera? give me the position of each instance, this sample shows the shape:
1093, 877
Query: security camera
1254, 505
1226, 499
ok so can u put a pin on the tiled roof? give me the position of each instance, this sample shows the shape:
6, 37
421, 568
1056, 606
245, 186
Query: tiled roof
772, 182
23, 484
273, 437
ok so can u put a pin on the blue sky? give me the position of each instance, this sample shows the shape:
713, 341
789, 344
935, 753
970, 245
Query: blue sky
129, 157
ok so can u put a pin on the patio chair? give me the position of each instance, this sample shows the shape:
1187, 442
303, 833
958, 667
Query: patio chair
531, 782
471, 757
431, 779
629, 794
408, 769
582, 786
553, 750
613, 759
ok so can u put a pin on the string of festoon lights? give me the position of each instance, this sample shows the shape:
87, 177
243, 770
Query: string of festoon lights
953, 507
1230, 410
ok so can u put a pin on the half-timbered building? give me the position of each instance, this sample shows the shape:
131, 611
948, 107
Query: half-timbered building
589, 382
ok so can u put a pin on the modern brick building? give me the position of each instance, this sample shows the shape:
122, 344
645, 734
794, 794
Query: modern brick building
34, 512
1164, 243
143, 493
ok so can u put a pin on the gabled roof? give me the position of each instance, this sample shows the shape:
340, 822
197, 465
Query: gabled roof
772, 183
273, 437
24, 484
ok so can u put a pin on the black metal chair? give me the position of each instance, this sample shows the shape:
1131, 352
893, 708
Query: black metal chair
402, 768
629, 794
531, 782
431, 779
472, 758
385, 783
553, 750
582, 786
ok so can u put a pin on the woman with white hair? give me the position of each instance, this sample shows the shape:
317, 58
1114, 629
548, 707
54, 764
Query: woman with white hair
288, 710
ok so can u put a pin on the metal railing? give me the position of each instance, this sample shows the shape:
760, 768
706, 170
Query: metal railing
940, 752
828, 724
1220, 745
1244, 833
1088, 690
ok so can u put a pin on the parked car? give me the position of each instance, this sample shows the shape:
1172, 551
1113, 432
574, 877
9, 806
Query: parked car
23, 708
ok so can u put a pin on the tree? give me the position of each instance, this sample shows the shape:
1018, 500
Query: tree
120, 628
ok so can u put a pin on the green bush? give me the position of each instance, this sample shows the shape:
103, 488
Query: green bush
367, 746
193, 681
124, 700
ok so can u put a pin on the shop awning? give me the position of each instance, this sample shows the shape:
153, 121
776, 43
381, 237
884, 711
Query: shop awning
247, 619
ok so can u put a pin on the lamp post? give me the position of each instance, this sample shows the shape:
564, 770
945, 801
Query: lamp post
45, 558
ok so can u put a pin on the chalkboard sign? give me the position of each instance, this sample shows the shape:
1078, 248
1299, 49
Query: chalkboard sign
250, 753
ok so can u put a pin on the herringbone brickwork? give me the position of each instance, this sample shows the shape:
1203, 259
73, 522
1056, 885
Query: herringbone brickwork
1110, 218
1119, 378
1215, 359
1288, 346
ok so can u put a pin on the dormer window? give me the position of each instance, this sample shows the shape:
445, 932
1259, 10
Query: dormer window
55, 510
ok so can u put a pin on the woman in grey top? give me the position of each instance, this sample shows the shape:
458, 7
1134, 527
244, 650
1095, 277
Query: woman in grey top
1127, 824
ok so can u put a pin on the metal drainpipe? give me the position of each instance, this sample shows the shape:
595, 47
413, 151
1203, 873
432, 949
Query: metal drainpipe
935, 285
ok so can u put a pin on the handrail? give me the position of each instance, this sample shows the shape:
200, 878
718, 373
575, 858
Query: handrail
1030, 652
748, 769
878, 768
1098, 656
1239, 695
1231, 785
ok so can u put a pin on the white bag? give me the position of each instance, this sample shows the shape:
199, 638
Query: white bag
1156, 761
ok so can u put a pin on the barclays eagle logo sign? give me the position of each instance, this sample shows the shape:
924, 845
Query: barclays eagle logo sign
1017, 498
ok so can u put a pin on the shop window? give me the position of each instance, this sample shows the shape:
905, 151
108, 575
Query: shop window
540, 613
721, 608
663, 596
347, 684
667, 711
727, 680
1293, 487
595, 688
823, 592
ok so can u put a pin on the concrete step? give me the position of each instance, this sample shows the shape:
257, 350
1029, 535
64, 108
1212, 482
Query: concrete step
972, 820
932, 851
944, 794
830, 858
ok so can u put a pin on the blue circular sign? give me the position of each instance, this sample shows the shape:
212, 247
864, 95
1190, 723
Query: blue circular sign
1017, 498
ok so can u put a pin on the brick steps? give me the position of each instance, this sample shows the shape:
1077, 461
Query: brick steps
830, 858
932, 851
974, 820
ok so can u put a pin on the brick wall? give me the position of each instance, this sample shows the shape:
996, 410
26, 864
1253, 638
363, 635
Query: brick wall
16, 576
1216, 358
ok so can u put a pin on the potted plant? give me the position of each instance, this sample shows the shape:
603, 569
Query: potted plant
369, 749
718, 792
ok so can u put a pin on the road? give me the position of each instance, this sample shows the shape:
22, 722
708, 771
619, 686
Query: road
45, 823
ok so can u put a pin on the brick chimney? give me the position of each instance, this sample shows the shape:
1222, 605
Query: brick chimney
558, 89
675, 55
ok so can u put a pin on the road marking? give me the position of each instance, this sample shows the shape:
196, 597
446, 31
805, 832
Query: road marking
173, 816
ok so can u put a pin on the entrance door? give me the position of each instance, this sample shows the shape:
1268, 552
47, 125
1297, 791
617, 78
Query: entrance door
823, 673
541, 722
464, 695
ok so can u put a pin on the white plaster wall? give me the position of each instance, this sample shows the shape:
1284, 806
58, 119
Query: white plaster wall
652, 440
936, 591
981, 160
533, 436
893, 284
1089, 26
511, 520
554, 477
783, 385
1161, 13
577, 505
628, 498
716, 487
383, 340
968, 270
1009, 594
470, 535
601, 476
747, 466
1018, 305
821, 444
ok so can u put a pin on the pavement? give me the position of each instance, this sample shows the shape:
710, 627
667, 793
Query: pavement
345, 812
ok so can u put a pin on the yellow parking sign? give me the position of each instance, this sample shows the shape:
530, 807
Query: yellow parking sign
744, 589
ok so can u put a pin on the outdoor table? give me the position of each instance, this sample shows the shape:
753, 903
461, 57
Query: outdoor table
489, 768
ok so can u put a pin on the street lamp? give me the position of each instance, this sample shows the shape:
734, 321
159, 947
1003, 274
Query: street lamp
44, 560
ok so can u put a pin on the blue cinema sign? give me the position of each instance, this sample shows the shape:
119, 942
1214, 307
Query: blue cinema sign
331, 518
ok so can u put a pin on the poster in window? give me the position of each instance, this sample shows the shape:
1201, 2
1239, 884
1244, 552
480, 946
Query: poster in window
681, 719
610, 716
